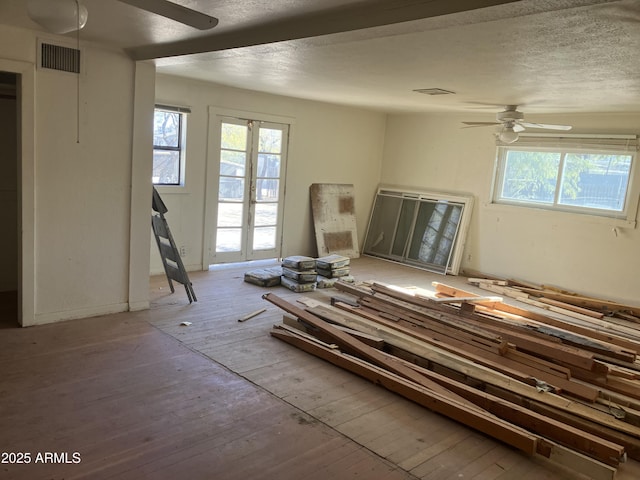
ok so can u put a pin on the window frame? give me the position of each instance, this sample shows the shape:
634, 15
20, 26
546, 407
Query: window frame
625, 217
181, 147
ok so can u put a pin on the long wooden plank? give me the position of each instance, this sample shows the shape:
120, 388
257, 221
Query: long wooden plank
557, 453
583, 301
580, 340
629, 442
549, 349
486, 423
353, 345
605, 451
503, 364
573, 308
594, 328
484, 374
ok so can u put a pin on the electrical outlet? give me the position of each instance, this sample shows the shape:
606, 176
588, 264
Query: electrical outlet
183, 251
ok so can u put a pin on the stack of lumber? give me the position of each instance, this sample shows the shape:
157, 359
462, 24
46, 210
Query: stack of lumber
568, 393
559, 300
299, 273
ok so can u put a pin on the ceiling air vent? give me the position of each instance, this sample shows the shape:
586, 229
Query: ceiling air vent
56, 57
434, 91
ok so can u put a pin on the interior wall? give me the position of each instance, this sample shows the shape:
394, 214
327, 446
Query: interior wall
328, 144
578, 252
9, 195
82, 188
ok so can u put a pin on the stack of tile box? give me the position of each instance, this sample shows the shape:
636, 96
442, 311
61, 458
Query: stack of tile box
299, 273
332, 268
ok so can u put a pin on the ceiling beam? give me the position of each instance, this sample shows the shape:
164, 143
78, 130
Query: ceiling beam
335, 20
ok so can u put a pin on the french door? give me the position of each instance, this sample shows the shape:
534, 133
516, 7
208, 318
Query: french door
248, 209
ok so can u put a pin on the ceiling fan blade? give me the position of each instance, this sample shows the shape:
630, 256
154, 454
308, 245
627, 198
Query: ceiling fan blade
517, 127
479, 124
545, 126
176, 12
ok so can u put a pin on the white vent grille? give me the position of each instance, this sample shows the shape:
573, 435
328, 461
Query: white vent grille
56, 57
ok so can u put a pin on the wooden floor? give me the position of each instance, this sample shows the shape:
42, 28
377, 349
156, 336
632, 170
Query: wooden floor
139, 396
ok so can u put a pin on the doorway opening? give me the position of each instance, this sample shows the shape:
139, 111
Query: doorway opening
10, 211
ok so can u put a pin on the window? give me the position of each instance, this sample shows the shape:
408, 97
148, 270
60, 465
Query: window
421, 229
584, 179
168, 145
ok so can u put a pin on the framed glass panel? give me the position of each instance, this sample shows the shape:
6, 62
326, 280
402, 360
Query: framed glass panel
267, 190
166, 129
231, 188
595, 181
230, 214
382, 226
264, 238
530, 176
166, 167
268, 166
232, 163
233, 137
266, 214
270, 140
414, 229
229, 240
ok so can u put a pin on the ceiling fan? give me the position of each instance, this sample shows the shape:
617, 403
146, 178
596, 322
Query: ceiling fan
512, 122
63, 16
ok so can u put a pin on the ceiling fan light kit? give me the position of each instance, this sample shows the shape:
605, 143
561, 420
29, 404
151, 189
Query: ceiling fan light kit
508, 135
58, 16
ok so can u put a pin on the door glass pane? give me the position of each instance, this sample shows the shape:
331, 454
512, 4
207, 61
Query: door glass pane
404, 227
266, 214
382, 225
230, 214
267, 190
268, 165
229, 240
233, 163
233, 136
270, 140
264, 238
531, 176
434, 233
231, 188
595, 180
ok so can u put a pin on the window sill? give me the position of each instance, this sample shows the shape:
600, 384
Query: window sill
172, 189
575, 217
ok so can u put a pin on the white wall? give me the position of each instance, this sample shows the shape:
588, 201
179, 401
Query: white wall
328, 144
578, 252
82, 189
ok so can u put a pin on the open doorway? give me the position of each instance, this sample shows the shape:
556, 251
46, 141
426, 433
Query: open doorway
9, 212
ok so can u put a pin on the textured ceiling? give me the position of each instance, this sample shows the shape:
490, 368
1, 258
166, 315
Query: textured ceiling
547, 55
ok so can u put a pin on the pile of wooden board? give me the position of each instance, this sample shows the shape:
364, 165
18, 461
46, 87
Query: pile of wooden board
564, 391
559, 300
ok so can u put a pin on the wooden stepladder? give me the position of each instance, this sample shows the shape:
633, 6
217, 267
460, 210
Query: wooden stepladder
171, 261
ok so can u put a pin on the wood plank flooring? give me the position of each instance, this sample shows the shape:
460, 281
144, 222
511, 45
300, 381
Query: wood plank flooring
137, 404
420, 442
139, 396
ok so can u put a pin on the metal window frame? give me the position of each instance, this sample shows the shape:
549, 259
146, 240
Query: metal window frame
625, 217
181, 111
